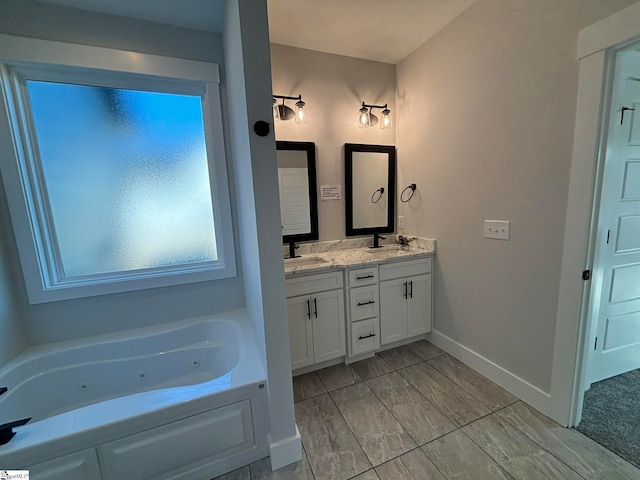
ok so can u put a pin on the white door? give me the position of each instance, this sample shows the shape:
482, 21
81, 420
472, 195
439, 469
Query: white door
616, 300
393, 310
327, 310
300, 331
419, 305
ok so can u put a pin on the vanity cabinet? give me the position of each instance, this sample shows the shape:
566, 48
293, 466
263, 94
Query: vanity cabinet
364, 310
405, 300
315, 306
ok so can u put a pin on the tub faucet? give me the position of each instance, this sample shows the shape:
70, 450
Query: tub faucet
292, 249
6, 430
376, 240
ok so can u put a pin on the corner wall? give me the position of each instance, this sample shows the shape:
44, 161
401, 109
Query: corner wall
13, 332
333, 87
487, 110
249, 95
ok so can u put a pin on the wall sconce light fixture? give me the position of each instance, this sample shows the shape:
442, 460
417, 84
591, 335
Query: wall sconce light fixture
367, 119
284, 112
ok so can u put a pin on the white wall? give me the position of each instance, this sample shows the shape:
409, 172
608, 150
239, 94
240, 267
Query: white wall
333, 87
485, 130
246, 48
91, 316
13, 332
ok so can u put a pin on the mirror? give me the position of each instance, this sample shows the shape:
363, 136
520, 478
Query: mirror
298, 192
370, 180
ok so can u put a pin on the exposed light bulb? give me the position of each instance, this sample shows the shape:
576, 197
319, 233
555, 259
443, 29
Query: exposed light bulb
301, 116
385, 121
363, 120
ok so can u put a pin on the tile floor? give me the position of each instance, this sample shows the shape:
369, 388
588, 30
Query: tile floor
416, 413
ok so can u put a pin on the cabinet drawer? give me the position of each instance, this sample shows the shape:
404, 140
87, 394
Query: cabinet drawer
365, 336
314, 283
364, 302
389, 271
363, 276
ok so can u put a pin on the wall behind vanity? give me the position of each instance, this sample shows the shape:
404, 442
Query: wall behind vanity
333, 87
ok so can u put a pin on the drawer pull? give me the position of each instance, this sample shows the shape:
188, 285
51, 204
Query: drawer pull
364, 277
362, 337
366, 303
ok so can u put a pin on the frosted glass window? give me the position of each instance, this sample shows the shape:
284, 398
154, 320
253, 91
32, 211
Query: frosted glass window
126, 177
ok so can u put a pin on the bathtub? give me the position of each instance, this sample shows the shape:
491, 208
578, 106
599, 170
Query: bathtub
184, 400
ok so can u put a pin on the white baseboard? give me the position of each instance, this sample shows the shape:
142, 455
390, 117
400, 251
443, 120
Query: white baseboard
515, 385
285, 452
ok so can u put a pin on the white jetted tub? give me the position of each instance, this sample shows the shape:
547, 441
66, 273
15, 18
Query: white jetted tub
183, 400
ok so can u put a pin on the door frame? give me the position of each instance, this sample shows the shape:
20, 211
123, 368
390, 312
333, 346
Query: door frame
597, 46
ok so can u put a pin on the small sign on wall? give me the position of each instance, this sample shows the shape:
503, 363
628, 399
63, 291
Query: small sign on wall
330, 192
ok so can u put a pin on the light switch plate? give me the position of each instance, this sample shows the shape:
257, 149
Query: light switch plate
497, 229
400, 221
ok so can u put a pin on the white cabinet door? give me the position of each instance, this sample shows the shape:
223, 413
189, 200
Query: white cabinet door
327, 310
300, 331
393, 310
76, 466
419, 305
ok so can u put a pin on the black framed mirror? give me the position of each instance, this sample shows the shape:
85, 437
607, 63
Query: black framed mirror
298, 191
370, 188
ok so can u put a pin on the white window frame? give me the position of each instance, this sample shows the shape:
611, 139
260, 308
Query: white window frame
23, 59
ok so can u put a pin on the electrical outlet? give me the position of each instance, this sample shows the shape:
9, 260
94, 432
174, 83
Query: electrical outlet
400, 221
498, 229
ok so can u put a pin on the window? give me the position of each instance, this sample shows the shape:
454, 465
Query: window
118, 178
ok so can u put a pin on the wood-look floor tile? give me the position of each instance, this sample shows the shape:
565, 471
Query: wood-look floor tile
457, 457
420, 418
380, 434
400, 357
261, 470
458, 405
411, 466
368, 475
338, 376
424, 349
371, 367
490, 394
241, 474
515, 452
307, 386
331, 447
588, 458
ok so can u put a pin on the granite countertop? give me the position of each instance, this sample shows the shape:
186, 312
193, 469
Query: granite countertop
322, 257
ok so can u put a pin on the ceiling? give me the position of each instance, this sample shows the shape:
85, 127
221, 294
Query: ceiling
380, 30
199, 14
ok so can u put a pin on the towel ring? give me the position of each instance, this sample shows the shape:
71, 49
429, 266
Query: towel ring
411, 187
380, 191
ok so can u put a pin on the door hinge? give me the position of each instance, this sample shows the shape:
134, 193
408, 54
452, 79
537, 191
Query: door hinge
586, 275
595, 346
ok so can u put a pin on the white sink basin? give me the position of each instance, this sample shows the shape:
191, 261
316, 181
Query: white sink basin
303, 261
